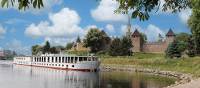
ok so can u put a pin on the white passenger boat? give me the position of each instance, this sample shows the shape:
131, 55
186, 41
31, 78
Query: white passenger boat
60, 61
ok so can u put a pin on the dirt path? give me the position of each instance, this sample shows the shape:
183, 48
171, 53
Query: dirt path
192, 84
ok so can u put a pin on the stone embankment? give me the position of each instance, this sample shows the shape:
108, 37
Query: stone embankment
182, 78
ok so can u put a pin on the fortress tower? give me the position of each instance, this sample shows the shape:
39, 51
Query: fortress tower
151, 47
170, 37
136, 41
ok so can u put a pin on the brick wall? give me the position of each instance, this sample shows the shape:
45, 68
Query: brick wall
154, 47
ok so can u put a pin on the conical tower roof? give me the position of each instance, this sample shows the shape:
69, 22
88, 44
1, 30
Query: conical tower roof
136, 33
170, 33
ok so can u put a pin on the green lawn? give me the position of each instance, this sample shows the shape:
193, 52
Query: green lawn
157, 61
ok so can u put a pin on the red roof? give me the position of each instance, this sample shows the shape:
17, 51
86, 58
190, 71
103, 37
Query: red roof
170, 33
136, 33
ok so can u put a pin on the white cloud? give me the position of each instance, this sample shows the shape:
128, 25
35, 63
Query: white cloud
63, 27
2, 31
123, 29
110, 29
105, 12
16, 45
184, 15
152, 32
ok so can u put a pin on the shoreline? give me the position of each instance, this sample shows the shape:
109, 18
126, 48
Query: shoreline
182, 78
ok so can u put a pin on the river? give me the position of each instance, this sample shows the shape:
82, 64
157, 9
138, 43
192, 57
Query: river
15, 76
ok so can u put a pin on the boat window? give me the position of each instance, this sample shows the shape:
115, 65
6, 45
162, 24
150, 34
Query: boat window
71, 60
44, 59
52, 59
68, 60
63, 59
56, 60
80, 58
59, 59
76, 58
72, 65
48, 59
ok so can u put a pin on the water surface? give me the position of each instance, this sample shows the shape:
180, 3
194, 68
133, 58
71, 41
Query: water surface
15, 76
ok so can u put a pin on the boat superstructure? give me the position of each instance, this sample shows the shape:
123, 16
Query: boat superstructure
60, 61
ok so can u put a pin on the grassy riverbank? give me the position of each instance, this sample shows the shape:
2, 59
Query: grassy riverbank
157, 61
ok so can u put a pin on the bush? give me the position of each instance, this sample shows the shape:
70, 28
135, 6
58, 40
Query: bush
174, 50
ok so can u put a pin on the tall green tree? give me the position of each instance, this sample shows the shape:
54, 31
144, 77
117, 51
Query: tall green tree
173, 50
46, 48
115, 47
190, 47
94, 39
126, 46
194, 24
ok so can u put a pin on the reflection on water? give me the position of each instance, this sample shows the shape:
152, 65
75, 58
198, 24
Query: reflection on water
15, 76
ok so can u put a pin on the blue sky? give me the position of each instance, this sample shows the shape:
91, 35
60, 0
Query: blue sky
61, 21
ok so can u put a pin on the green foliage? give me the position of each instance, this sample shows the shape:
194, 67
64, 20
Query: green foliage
126, 46
36, 49
194, 24
121, 47
23, 4
54, 50
138, 8
141, 8
96, 40
190, 47
156, 61
174, 50
46, 48
182, 37
69, 46
115, 47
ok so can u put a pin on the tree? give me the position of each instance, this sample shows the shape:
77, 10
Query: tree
36, 49
105, 40
115, 47
173, 50
194, 24
53, 50
121, 47
94, 39
138, 8
190, 47
69, 45
182, 37
46, 48
141, 8
22, 4
78, 40
126, 46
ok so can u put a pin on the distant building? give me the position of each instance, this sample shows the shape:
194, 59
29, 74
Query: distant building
151, 47
6, 54
79, 47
